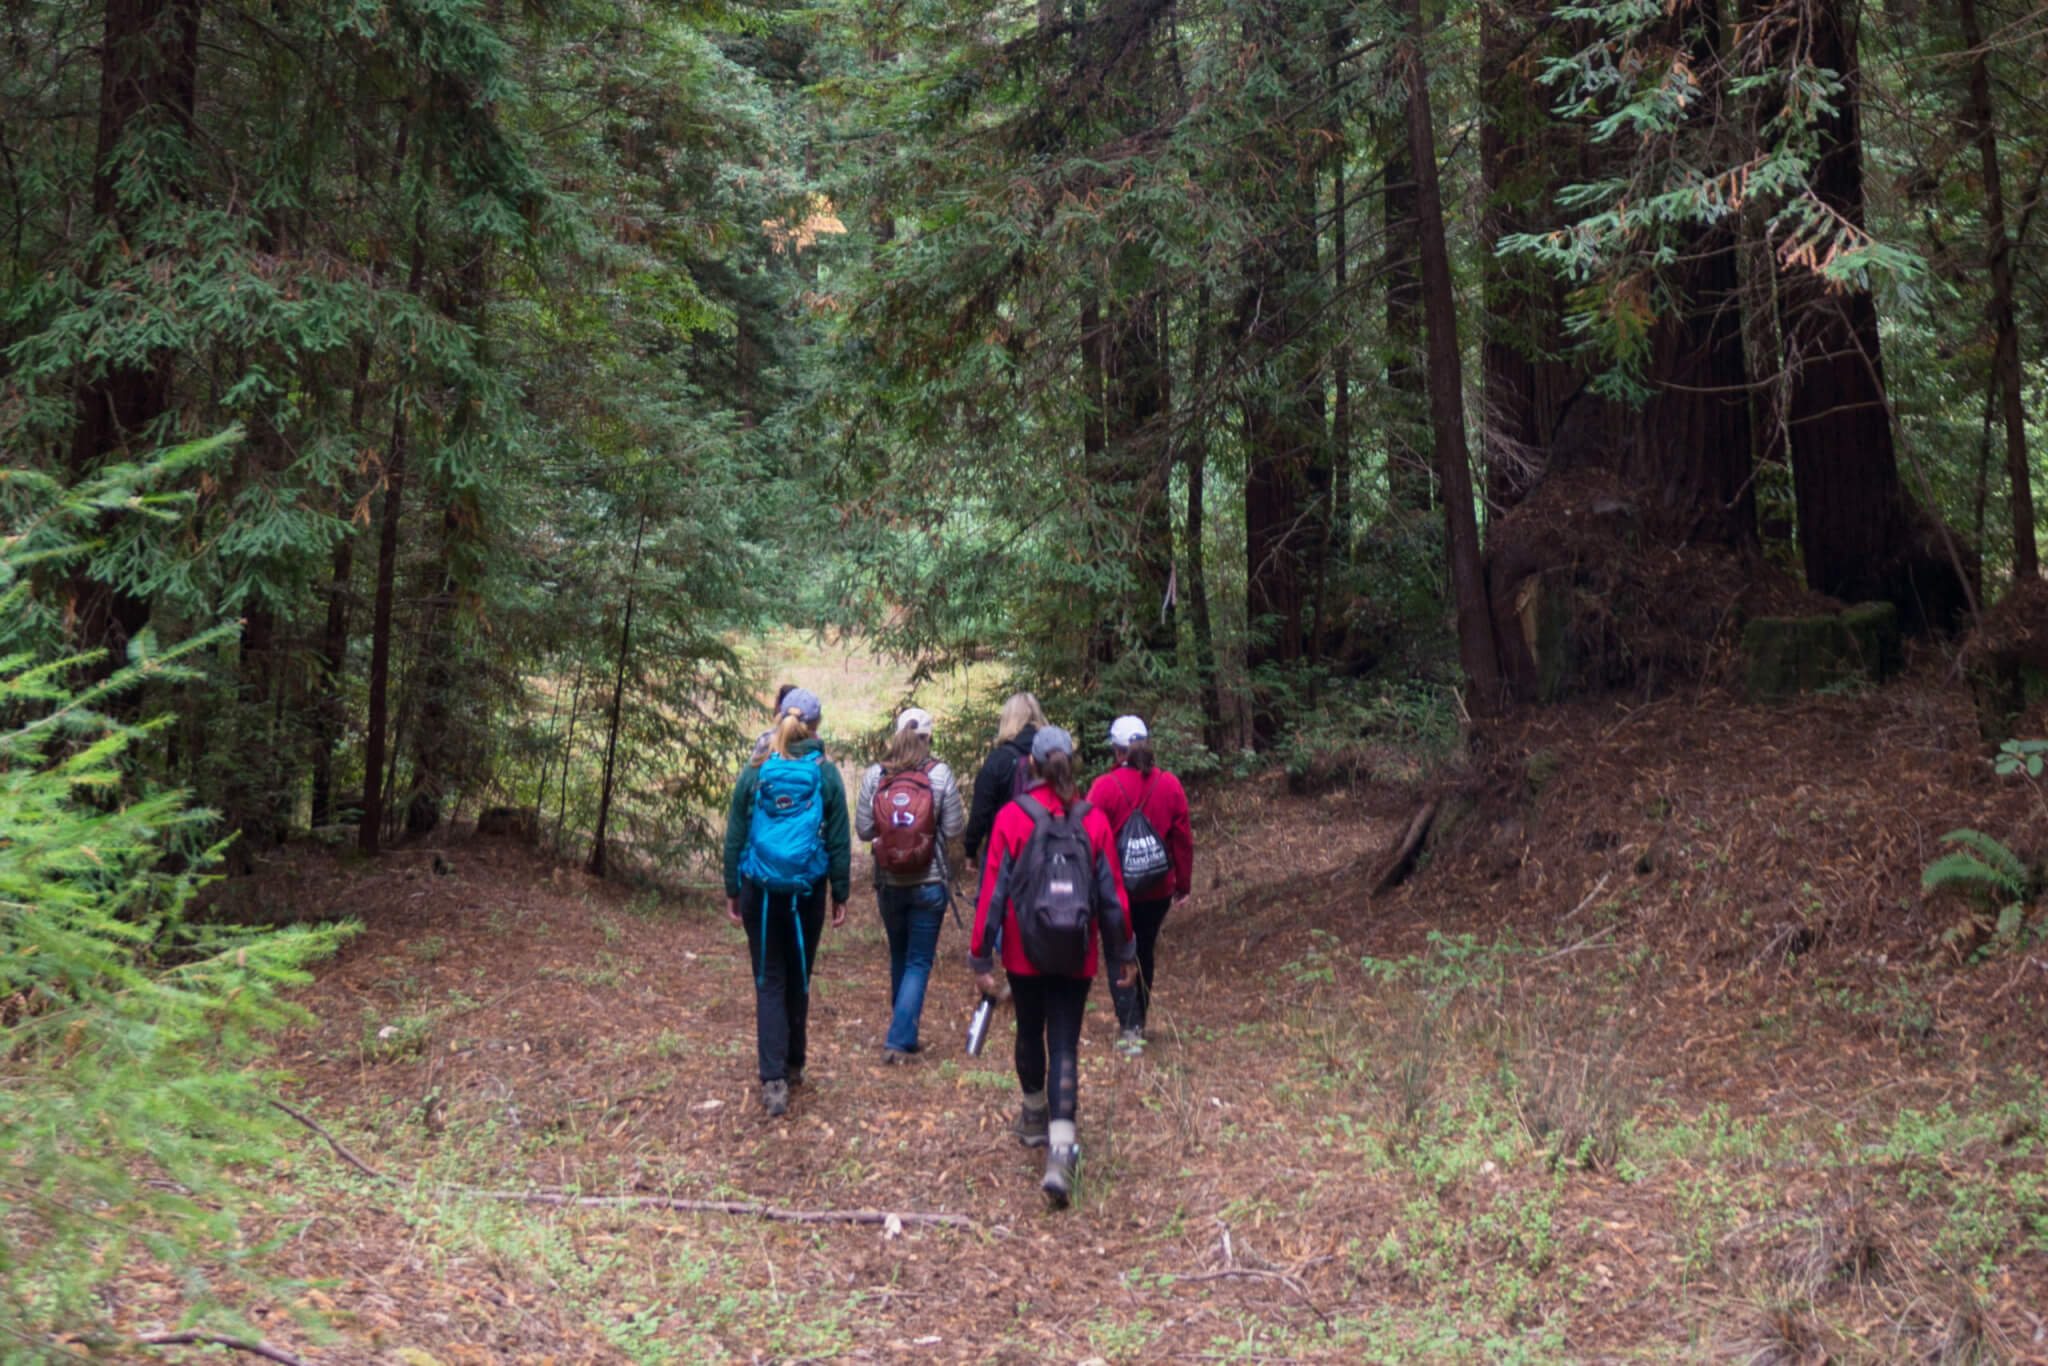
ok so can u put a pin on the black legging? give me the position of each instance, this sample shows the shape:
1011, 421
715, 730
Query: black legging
782, 947
1134, 1002
1049, 1011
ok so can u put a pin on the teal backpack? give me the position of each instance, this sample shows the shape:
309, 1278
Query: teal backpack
786, 836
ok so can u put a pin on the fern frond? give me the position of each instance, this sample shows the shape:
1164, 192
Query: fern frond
1992, 851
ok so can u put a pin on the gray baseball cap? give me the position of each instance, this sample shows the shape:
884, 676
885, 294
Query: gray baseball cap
1049, 741
805, 704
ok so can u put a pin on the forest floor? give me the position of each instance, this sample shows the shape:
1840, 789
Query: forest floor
1661, 1055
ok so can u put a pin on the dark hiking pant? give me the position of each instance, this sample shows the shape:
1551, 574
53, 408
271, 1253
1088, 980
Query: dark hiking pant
782, 945
1134, 1002
1049, 1011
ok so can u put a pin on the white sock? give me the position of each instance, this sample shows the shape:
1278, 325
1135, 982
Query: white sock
1063, 1133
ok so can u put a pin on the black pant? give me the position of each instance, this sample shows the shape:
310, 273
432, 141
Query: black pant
1049, 1011
782, 946
1134, 1001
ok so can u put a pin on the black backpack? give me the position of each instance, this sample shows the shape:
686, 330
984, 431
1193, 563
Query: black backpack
1139, 850
1020, 776
1052, 889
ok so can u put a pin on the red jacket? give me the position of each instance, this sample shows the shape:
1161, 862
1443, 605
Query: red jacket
1118, 792
1012, 831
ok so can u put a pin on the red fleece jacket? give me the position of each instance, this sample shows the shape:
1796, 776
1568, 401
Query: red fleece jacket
1118, 792
1006, 841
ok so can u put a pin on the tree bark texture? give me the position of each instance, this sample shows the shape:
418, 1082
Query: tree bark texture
2005, 362
1407, 399
1446, 393
1287, 459
369, 833
1861, 534
596, 865
1195, 455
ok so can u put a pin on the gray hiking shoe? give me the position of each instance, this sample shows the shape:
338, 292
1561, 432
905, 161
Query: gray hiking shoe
897, 1056
775, 1097
1131, 1042
1058, 1185
1032, 1123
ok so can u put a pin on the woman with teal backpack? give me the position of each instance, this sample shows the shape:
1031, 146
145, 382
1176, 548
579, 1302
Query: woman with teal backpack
787, 841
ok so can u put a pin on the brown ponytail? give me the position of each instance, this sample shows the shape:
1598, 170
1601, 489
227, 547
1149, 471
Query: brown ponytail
1057, 769
1138, 755
908, 748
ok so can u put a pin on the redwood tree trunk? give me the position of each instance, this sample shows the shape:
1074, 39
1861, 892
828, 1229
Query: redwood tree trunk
149, 62
2005, 362
1446, 393
370, 832
1287, 464
1861, 534
596, 865
1136, 457
332, 666
1407, 401
1196, 456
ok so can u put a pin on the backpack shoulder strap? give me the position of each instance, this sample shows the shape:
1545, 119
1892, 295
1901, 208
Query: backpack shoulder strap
1034, 809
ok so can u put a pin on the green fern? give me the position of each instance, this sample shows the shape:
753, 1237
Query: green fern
1984, 862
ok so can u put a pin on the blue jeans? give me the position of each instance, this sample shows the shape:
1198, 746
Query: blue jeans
911, 917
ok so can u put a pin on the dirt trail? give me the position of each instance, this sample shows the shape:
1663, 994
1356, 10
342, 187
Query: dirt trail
1577, 1092
560, 1032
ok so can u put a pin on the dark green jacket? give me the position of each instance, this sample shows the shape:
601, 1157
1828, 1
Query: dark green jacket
838, 830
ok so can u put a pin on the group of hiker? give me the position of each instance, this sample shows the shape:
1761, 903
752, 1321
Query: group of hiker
1067, 883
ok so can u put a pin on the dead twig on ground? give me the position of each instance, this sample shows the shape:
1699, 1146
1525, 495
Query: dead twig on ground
750, 1208
1584, 901
1254, 1274
259, 1349
339, 1151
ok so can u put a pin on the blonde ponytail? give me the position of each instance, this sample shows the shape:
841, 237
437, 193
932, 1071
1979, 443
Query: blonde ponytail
790, 731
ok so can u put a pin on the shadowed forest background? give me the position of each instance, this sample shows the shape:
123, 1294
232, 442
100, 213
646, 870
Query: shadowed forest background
434, 421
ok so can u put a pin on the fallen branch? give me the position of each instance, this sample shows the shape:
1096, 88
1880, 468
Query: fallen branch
1592, 940
1584, 901
750, 1208
258, 1349
343, 1153
1252, 1273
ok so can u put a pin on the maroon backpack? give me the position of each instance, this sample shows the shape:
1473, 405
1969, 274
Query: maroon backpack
906, 822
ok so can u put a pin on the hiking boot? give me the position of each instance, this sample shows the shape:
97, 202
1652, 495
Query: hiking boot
1031, 1125
775, 1097
1058, 1185
897, 1056
1131, 1042
795, 1076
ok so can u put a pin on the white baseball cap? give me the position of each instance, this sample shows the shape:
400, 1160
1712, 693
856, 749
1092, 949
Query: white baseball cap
914, 718
1125, 729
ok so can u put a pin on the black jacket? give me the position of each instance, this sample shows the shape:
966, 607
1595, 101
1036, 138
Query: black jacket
992, 790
